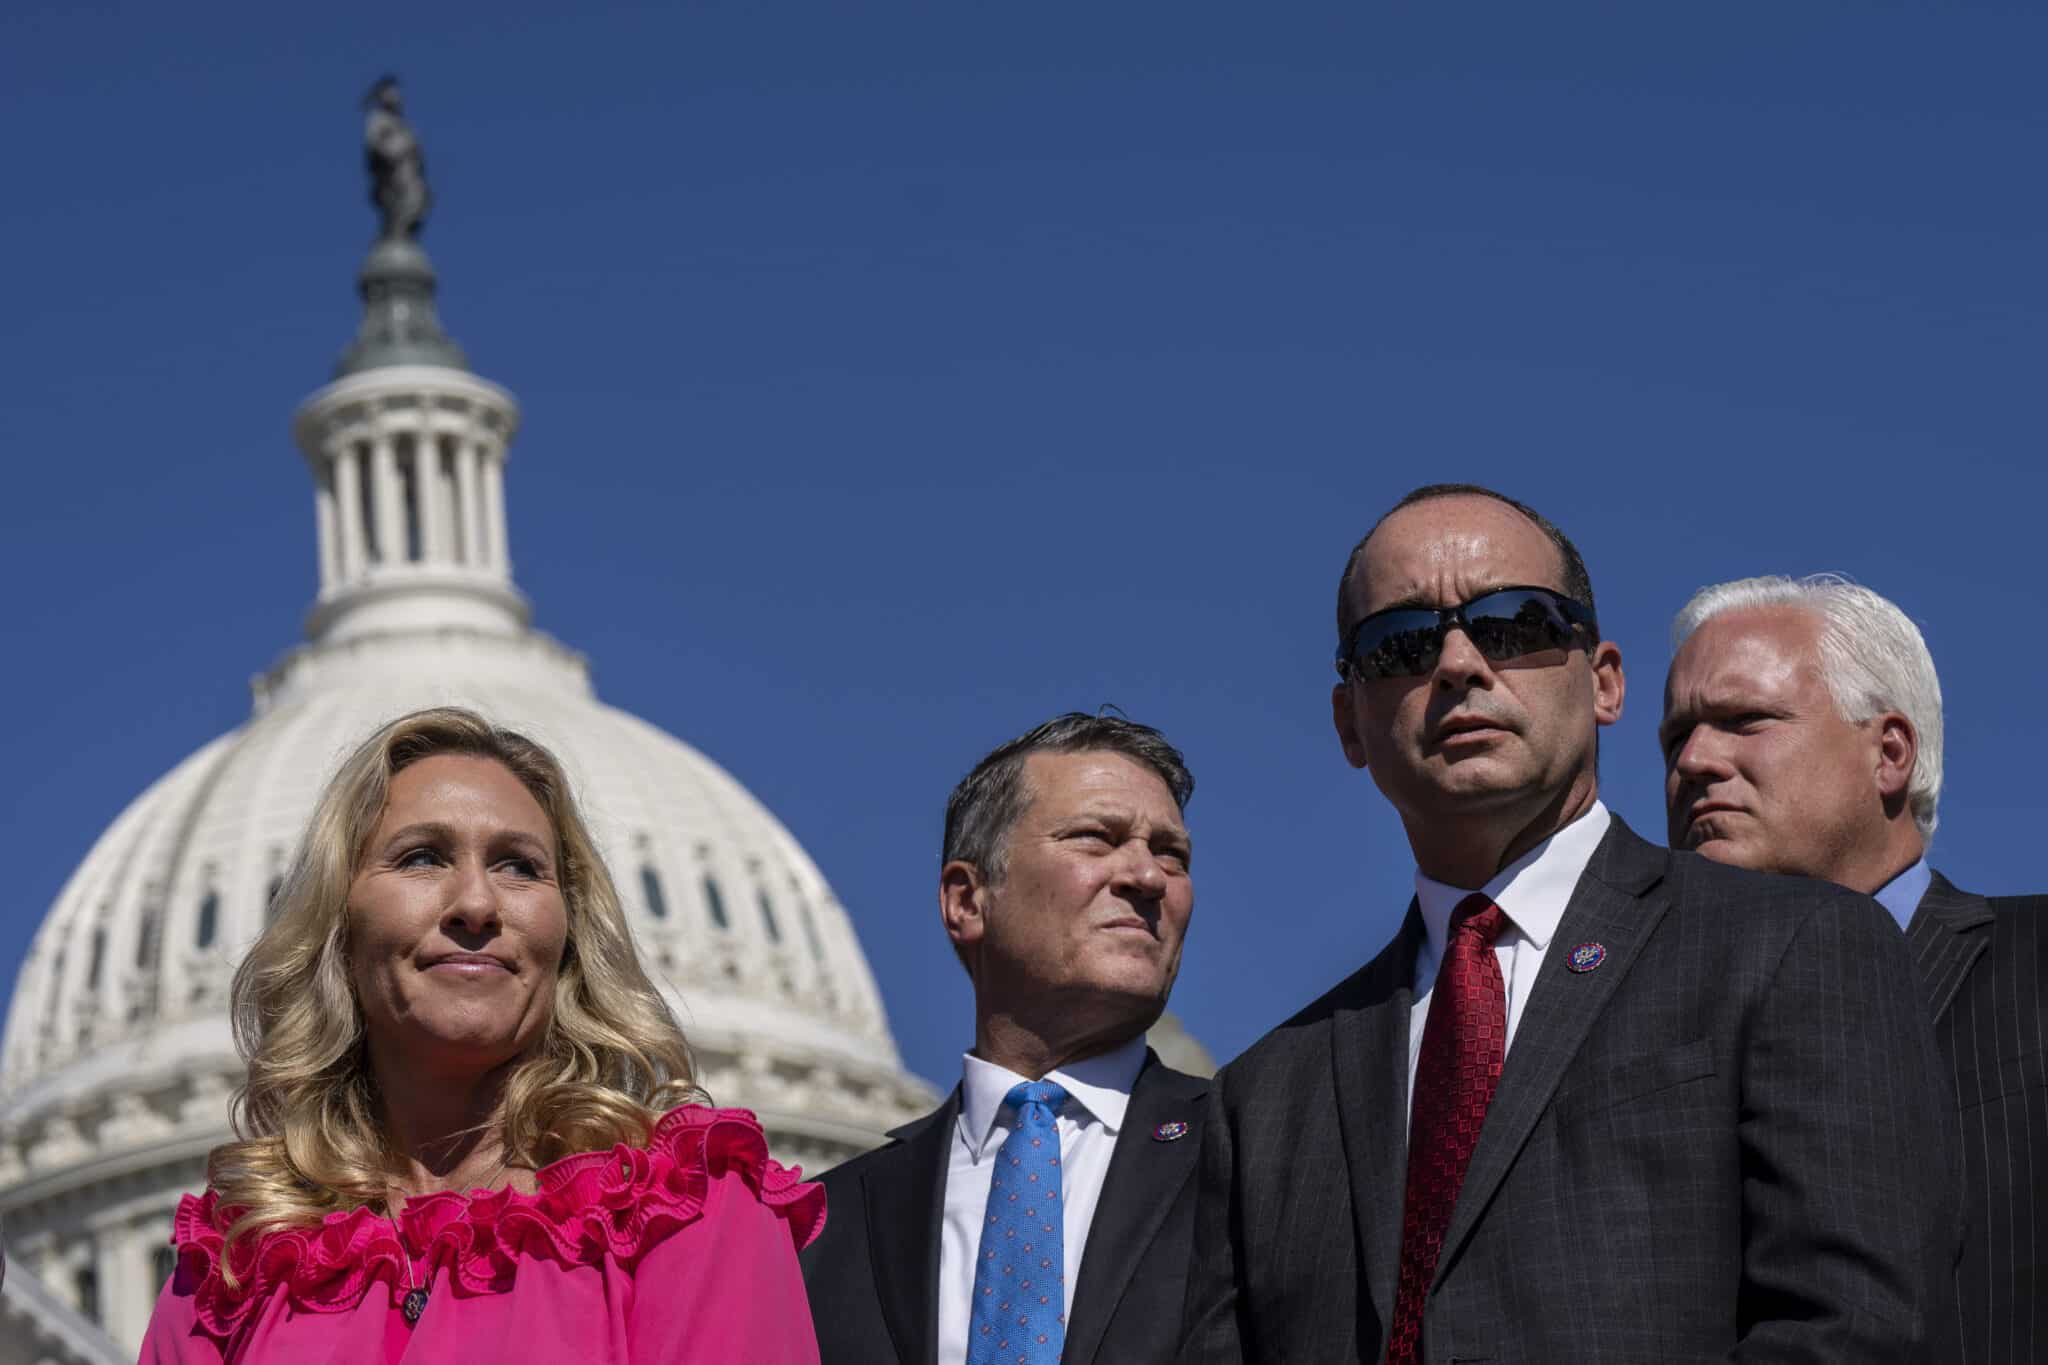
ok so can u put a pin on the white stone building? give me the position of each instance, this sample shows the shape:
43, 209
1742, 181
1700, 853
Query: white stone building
117, 1065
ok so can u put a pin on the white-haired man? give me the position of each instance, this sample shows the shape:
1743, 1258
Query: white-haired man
1802, 734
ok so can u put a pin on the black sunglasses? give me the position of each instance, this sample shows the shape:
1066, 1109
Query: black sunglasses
1507, 623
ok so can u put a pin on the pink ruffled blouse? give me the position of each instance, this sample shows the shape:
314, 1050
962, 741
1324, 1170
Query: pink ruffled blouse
681, 1251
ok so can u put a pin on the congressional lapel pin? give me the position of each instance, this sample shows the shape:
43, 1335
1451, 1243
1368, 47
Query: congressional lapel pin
1586, 957
1170, 1132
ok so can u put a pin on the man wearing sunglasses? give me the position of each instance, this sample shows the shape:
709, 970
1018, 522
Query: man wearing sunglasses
1597, 1101
1802, 733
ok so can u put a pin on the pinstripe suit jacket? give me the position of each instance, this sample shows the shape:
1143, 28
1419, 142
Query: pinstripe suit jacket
1983, 963
1728, 1142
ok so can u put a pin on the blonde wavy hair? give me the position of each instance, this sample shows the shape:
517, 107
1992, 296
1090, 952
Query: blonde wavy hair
310, 1132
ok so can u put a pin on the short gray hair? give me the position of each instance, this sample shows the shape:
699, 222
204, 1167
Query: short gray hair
989, 799
1872, 658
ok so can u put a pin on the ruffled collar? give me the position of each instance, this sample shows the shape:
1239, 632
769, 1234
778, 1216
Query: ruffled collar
585, 1208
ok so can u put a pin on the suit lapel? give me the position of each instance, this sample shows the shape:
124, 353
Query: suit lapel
1369, 1056
1144, 1180
1946, 938
905, 1191
1615, 905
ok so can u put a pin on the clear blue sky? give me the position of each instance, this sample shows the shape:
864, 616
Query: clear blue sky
898, 375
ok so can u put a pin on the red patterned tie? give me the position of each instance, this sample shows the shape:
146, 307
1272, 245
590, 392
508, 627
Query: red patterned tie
1463, 1041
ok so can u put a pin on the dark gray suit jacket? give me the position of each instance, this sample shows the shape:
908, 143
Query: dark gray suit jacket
1984, 963
873, 1273
1728, 1141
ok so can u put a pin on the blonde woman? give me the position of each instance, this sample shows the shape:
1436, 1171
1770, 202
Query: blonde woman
466, 1134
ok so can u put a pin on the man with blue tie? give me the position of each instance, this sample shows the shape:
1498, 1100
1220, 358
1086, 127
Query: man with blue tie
1043, 1213
1802, 734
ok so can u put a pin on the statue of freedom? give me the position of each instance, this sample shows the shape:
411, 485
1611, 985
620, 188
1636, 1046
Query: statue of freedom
398, 170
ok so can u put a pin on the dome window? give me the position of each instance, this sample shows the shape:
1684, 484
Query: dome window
97, 960
85, 1283
768, 919
145, 943
715, 902
650, 887
209, 921
810, 923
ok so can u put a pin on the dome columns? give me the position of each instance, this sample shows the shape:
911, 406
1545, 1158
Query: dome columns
343, 484
469, 507
388, 546
491, 541
123, 1245
409, 501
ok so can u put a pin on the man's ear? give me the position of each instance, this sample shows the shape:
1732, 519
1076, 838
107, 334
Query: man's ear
963, 901
1610, 686
1343, 717
1898, 751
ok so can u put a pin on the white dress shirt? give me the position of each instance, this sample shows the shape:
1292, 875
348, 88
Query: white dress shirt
1532, 891
1098, 1092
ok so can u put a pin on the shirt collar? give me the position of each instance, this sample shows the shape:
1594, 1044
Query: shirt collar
1100, 1084
1532, 891
1901, 895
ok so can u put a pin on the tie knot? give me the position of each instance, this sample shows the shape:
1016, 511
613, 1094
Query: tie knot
1049, 1094
1477, 914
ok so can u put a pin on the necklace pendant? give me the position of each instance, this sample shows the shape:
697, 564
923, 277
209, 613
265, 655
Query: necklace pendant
414, 1304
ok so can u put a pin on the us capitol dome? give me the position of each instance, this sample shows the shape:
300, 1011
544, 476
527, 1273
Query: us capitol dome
117, 1064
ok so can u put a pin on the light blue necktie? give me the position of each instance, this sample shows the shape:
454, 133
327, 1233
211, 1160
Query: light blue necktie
1020, 1273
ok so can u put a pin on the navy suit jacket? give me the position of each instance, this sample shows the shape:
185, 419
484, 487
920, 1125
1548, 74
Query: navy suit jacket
1983, 963
1729, 1141
873, 1273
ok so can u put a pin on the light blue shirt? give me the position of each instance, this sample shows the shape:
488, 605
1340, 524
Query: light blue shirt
1901, 895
